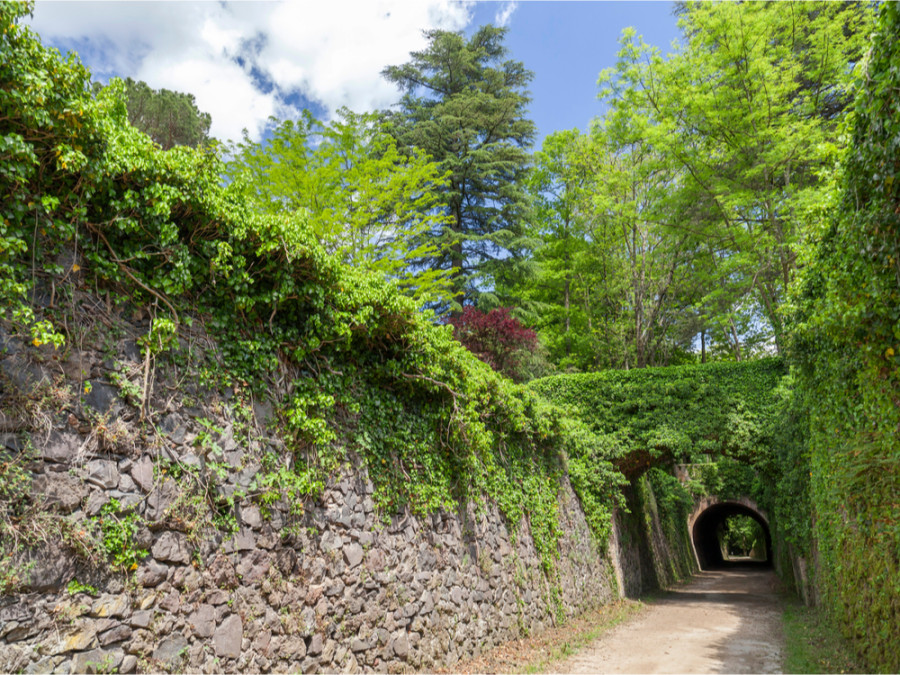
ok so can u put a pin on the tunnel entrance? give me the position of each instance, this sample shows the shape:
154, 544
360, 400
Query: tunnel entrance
729, 533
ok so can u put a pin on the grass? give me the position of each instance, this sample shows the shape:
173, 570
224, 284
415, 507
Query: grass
814, 645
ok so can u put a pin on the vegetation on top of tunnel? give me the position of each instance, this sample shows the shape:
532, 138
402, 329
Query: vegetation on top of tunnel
686, 413
89, 201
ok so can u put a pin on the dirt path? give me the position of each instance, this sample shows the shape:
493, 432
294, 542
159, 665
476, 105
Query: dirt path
723, 622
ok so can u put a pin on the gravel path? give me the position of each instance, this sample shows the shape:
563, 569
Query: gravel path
722, 622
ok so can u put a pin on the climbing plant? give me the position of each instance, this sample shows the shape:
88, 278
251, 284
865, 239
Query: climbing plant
683, 413
846, 347
88, 199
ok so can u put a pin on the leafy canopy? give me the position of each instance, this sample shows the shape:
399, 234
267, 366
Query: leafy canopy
168, 117
363, 199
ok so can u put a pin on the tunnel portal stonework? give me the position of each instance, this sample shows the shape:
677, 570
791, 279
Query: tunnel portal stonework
708, 513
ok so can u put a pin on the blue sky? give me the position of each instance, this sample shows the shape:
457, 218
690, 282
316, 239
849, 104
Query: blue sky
245, 61
567, 44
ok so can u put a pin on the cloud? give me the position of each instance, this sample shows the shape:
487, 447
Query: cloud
504, 14
245, 61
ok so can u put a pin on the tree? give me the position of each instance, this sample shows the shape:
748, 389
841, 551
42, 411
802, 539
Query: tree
465, 107
747, 108
559, 186
364, 198
168, 117
496, 337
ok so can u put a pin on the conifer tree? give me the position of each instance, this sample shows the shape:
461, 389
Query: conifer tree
464, 104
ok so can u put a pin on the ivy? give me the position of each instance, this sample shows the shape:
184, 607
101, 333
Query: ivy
361, 373
117, 529
846, 352
684, 413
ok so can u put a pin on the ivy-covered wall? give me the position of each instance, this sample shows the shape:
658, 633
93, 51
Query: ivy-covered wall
88, 204
732, 420
846, 347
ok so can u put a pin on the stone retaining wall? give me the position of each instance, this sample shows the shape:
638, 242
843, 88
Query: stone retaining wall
345, 591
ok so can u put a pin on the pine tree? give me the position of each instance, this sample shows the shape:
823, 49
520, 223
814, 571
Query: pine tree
465, 106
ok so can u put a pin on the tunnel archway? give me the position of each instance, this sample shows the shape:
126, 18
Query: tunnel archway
706, 520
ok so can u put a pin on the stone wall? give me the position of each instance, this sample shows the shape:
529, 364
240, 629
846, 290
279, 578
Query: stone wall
342, 589
646, 555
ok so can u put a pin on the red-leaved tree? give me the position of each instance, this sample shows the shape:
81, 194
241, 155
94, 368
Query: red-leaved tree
495, 337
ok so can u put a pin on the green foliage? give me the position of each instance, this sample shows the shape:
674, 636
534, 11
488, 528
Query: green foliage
673, 501
364, 200
744, 113
594, 478
727, 478
161, 336
465, 106
814, 644
846, 348
76, 587
16, 508
684, 413
117, 531
367, 372
682, 212
741, 535
170, 118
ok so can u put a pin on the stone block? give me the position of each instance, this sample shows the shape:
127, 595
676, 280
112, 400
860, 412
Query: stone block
116, 606
316, 643
126, 482
228, 637
151, 573
140, 619
118, 633
203, 621
97, 661
52, 568
160, 498
353, 554
171, 652
142, 473
61, 447
172, 547
103, 398
62, 490
359, 645
82, 636
400, 644
293, 648
251, 517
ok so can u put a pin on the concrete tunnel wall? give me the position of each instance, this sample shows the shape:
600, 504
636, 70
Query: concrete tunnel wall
705, 520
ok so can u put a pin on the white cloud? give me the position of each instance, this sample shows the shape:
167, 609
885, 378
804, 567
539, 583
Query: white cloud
504, 14
242, 60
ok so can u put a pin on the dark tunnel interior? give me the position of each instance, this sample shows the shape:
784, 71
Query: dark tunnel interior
706, 541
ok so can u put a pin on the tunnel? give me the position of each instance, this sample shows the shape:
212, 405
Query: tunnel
704, 534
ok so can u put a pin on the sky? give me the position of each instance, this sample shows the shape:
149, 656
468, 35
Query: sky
247, 61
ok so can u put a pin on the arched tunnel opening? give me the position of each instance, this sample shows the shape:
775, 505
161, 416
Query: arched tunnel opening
731, 533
